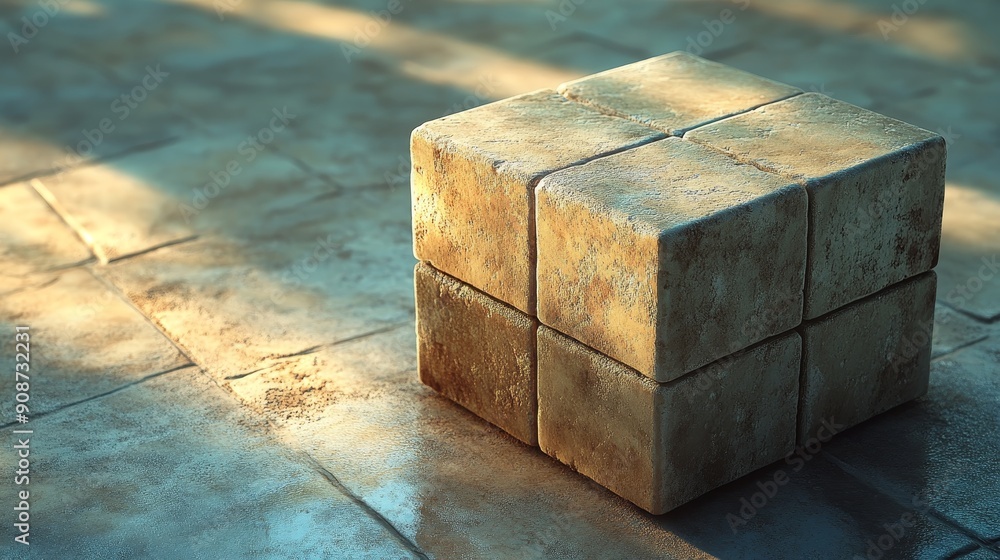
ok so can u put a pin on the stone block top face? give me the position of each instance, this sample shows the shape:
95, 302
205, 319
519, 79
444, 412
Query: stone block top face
666, 185
675, 92
473, 179
670, 256
533, 134
812, 136
875, 184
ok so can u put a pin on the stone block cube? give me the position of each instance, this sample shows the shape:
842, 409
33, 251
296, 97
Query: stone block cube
477, 351
670, 256
667, 274
660, 445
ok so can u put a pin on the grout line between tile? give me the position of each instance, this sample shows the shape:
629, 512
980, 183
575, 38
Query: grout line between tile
50, 171
974, 317
50, 200
368, 509
313, 349
961, 551
165, 244
163, 332
104, 394
960, 348
931, 512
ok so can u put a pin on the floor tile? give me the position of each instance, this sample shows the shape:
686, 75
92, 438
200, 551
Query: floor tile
941, 447
35, 238
174, 468
84, 340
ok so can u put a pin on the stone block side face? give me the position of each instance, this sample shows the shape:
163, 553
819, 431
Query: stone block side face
598, 417
728, 419
875, 226
597, 277
670, 256
473, 178
662, 445
876, 190
477, 351
869, 357
461, 203
731, 281
675, 92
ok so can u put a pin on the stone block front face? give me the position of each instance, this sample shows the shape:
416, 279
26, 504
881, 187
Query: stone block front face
660, 445
868, 357
477, 352
876, 190
473, 181
670, 256
675, 92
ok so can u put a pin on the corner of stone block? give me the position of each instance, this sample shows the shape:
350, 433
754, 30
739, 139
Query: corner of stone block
420, 133
682, 54
935, 142
659, 502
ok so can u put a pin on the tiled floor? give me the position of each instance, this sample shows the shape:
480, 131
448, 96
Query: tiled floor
204, 216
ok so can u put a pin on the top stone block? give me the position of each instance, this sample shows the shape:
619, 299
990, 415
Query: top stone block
875, 184
670, 256
675, 92
473, 180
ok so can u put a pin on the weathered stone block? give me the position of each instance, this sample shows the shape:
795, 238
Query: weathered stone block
670, 256
868, 357
473, 181
876, 190
675, 92
477, 352
660, 445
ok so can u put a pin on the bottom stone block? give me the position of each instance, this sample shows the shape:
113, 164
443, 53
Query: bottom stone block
867, 357
477, 351
660, 445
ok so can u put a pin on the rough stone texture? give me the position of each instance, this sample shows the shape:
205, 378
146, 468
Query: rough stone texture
876, 190
477, 352
661, 445
868, 357
473, 181
675, 92
670, 256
